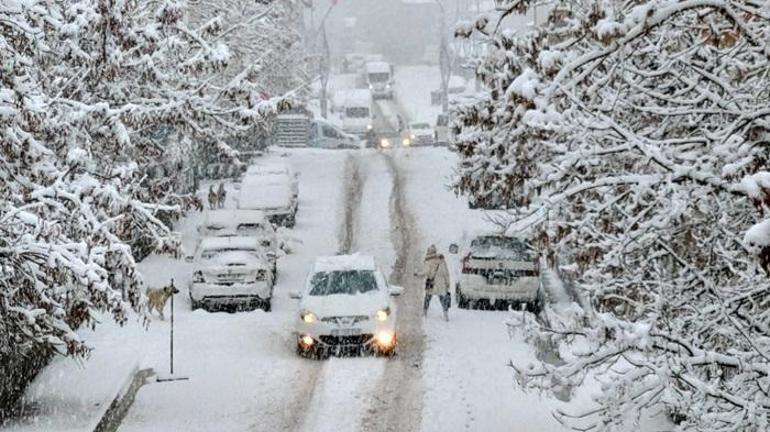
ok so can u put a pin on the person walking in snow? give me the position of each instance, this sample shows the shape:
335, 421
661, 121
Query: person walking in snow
437, 281
212, 198
221, 195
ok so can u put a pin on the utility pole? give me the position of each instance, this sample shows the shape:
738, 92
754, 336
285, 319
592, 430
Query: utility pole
444, 61
325, 65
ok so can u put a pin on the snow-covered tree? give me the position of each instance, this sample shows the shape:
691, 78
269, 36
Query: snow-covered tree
620, 132
83, 84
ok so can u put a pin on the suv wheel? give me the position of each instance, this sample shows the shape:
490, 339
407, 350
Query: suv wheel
267, 305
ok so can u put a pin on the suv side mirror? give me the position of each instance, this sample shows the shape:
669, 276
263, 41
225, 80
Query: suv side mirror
295, 295
453, 248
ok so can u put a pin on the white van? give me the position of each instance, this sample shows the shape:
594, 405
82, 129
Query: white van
325, 135
357, 113
379, 76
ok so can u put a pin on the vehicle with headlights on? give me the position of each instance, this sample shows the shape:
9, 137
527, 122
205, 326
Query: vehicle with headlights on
346, 307
418, 134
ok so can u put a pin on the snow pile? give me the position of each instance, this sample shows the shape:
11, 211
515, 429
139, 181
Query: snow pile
757, 237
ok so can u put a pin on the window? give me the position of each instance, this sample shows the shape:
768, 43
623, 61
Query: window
345, 282
379, 77
329, 132
212, 253
357, 112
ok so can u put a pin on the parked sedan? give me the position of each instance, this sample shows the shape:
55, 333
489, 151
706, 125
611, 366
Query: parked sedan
230, 272
346, 307
499, 269
243, 223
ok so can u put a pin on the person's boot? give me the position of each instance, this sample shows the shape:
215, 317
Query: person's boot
446, 315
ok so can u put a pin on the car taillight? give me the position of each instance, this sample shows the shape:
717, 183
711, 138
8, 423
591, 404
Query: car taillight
198, 277
261, 275
467, 264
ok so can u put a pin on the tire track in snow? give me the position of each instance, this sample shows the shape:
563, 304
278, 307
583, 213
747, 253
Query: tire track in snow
397, 405
352, 192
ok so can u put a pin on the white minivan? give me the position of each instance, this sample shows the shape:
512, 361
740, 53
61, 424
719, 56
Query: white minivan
326, 135
357, 116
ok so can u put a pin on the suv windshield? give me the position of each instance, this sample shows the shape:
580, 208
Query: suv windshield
348, 282
357, 112
420, 126
508, 246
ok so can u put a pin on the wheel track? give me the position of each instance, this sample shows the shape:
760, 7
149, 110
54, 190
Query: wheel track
352, 199
398, 406
352, 194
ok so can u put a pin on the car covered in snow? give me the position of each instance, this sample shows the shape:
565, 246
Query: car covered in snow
499, 269
272, 194
346, 307
419, 134
275, 169
242, 223
230, 272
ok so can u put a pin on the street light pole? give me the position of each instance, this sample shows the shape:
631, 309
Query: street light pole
444, 61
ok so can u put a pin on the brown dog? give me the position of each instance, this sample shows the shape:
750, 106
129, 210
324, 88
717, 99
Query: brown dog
158, 297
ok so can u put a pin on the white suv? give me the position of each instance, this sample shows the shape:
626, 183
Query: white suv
231, 271
346, 307
499, 269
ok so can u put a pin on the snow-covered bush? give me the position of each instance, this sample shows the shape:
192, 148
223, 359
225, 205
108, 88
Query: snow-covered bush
83, 83
622, 131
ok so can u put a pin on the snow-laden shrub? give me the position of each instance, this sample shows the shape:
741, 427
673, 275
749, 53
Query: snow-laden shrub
659, 109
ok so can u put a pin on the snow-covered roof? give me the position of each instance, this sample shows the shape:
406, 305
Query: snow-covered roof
228, 242
758, 236
377, 67
269, 168
264, 193
358, 97
345, 262
231, 216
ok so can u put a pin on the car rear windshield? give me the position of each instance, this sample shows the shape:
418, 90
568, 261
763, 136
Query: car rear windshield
350, 282
357, 112
208, 254
507, 246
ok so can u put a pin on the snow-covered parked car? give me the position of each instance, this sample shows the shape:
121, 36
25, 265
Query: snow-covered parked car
243, 223
275, 170
420, 134
230, 272
273, 195
345, 307
499, 269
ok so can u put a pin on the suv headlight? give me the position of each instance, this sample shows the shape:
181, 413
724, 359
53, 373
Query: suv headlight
308, 317
369, 127
198, 277
382, 314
